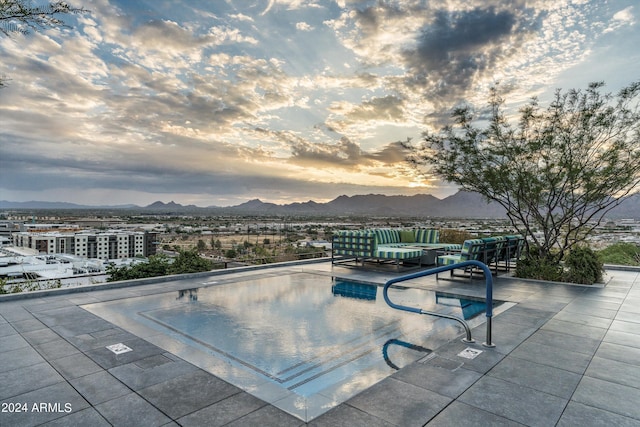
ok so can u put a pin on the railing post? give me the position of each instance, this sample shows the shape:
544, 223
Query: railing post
488, 298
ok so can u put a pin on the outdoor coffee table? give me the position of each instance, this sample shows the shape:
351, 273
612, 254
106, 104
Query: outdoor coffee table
428, 253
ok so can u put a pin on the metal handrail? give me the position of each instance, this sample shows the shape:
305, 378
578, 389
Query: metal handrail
394, 341
489, 296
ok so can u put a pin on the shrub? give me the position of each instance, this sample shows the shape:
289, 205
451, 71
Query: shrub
535, 265
621, 254
454, 236
583, 265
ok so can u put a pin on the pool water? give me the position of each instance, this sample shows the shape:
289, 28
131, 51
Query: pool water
302, 342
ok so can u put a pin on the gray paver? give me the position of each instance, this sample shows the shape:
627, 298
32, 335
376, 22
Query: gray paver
565, 341
622, 338
585, 305
267, 416
483, 363
509, 335
608, 396
188, 393
348, 416
6, 329
99, 387
461, 415
224, 411
577, 414
571, 328
543, 378
400, 403
132, 410
58, 399
108, 359
13, 342
621, 353
629, 327
543, 304
71, 315
46, 304
86, 417
583, 319
551, 355
98, 339
142, 373
28, 325
13, 312
23, 380
631, 305
72, 329
517, 403
19, 358
55, 349
614, 371
75, 366
40, 336
592, 310
447, 382
524, 316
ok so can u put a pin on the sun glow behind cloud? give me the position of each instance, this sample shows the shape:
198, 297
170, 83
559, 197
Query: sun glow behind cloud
281, 99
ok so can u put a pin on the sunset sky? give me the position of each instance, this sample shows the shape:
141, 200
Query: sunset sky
218, 102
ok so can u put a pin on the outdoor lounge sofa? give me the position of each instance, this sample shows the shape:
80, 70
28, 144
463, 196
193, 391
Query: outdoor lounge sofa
384, 245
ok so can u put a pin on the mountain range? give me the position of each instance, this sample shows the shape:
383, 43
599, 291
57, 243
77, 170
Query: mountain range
460, 205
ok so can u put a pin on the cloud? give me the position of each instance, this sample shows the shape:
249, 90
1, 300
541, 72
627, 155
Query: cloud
388, 108
458, 49
303, 26
620, 19
307, 95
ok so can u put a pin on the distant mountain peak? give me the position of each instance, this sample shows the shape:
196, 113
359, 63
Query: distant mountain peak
463, 204
161, 205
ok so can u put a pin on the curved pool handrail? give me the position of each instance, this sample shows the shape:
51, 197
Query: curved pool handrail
489, 296
395, 341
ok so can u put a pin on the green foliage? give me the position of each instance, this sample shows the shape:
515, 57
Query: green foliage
558, 171
454, 236
582, 265
539, 266
621, 254
190, 262
160, 265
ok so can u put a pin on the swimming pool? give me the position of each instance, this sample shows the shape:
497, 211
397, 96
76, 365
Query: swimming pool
303, 342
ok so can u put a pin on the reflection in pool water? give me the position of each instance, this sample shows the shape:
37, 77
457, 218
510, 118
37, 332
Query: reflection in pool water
303, 342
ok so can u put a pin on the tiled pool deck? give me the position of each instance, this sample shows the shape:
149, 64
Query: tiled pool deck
564, 355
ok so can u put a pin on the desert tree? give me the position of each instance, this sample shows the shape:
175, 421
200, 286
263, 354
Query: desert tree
557, 171
23, 16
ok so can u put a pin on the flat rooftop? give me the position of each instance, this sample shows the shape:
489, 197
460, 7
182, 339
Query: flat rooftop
564, 355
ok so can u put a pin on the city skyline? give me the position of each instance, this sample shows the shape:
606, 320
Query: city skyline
217, 103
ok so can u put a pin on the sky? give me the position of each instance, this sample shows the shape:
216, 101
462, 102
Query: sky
215, 103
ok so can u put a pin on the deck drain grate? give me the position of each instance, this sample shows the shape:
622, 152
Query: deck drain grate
119, 348
470, 353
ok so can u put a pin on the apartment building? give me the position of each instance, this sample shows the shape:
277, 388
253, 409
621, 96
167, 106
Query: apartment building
101, 245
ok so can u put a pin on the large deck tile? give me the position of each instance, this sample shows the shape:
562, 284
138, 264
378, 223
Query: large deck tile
515, 402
